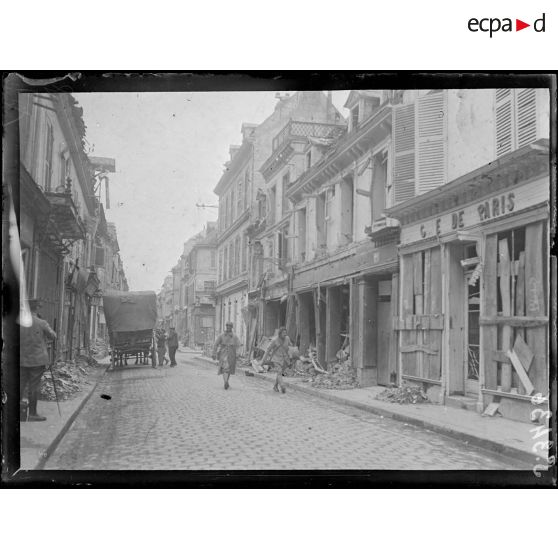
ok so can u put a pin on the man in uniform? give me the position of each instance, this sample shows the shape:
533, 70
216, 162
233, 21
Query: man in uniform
172, 344
33, 361
225, 351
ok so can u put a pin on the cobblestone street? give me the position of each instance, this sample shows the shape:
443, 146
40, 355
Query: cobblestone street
181, 418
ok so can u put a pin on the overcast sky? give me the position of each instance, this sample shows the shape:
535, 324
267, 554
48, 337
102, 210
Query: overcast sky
169, 149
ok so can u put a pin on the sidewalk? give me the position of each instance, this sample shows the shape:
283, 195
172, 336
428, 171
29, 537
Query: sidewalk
496, 434
39, 439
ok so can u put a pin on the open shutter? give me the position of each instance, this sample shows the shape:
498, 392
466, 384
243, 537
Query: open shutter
404, 152
504, 121
431, 142
526, 116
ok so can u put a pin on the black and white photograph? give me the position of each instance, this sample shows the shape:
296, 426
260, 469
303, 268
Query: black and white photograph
211, 275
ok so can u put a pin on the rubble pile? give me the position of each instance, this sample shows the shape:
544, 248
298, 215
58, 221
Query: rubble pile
338, 376
99, 349
69, 378
403, 395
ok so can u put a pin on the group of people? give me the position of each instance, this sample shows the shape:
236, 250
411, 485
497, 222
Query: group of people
34, 357
162, 342
276, 355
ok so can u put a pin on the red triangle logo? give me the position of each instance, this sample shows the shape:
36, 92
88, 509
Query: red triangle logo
519, 25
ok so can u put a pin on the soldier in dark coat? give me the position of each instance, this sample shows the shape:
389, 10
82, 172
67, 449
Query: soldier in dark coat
172, 344
33, 361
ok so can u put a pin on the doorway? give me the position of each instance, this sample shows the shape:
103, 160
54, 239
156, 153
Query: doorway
472, 335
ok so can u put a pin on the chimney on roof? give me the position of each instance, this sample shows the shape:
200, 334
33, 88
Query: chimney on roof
233, 149
247, 130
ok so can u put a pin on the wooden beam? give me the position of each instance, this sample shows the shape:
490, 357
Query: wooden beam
535, 305
513, 321
504, 264
419, 349
500, 356
489, 330
521, 372
523, 352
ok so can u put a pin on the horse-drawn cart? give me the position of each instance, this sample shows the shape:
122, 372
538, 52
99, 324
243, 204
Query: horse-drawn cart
130, 317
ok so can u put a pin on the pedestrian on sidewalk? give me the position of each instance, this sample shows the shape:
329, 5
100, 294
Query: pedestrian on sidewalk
161, 338
278, 354
225, 351
172, 344
33, 362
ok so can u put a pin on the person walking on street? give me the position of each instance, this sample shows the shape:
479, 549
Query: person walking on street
172, 344
225, 351
33, 361
161, 346
278, 354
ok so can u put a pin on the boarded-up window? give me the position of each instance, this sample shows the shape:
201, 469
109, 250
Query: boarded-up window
421, 321
514, 315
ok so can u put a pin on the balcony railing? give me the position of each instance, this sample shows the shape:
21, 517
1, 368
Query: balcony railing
299, 129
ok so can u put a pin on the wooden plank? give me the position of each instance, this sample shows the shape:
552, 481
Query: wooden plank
419, 349
489, 331
427, 298
418, 293
514, 321
523, 352
500, 356
491, 410
504, 261
520, 287
521, 372
392, 360
520, 297
407, 336
535, 305
435, 311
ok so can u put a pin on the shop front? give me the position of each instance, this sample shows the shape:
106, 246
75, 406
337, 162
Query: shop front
346, 305
473, 307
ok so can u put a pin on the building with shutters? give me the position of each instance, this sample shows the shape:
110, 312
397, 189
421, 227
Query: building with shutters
342, 279
241, 191
274, 240
471, 192
58, 214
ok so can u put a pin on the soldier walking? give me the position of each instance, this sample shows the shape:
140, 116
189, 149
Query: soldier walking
225, 351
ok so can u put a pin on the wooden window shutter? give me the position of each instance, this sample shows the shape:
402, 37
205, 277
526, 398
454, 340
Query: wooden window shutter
526, 116
431, 142
404, 152
504, 121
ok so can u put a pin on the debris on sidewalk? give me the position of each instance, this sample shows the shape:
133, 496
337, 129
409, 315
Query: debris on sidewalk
69, 378
339, 376
99, 349
403, 395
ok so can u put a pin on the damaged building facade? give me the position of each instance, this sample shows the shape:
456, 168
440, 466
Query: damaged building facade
415, 242
59, 214
244, 207
473, 306
342, 281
